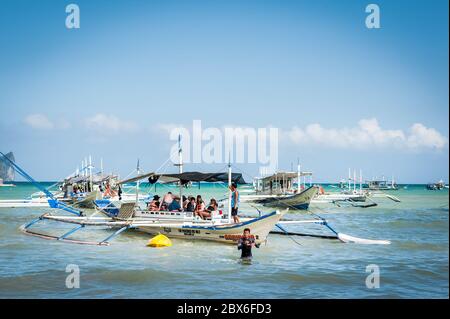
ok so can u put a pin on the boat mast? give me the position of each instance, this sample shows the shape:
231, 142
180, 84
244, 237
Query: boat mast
86, 170
180, 169
360, 181
298, 176
138, 171
229, 188
101, 168
90, 173
349, 178
354, 180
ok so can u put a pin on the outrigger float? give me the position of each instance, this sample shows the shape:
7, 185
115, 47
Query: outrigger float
219, 228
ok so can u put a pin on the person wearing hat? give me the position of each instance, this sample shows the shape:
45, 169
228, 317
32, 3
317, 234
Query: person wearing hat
154, 204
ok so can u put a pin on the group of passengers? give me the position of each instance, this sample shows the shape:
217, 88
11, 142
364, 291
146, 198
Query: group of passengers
196, 205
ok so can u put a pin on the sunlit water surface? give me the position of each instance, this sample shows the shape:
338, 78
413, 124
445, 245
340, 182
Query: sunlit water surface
415, 265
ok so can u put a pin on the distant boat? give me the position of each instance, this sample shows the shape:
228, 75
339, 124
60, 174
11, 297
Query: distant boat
294, 200
377, 185
278, 190
437, 186
5, 185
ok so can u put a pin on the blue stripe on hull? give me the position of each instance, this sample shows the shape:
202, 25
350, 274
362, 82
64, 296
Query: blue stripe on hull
232, 226
107, 207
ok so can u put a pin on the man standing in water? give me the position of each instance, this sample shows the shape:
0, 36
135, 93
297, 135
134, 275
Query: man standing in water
234, 202
245, 243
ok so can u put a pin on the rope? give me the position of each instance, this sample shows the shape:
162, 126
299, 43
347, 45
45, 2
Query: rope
287, 234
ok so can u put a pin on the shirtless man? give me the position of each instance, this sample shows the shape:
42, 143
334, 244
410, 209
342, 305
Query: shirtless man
167, 200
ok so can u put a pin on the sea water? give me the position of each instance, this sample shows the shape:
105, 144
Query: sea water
415, 265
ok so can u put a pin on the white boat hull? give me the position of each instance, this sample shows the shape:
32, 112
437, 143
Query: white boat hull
329, 198
225, 233
217, 231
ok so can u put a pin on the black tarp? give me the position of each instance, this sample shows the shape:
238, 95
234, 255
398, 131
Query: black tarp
197, 177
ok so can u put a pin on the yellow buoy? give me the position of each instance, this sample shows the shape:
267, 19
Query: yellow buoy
159, 241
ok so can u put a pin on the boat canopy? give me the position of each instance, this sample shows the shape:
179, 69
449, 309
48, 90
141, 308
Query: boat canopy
136, 178
96, 179
187, 177
279, 176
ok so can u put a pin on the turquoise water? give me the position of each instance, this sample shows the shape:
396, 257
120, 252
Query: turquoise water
415, 265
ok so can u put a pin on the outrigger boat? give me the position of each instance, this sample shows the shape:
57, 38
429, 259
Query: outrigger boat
219, 228
2, 184
80, 189
436, 186
350, 193
381, 185
277, 190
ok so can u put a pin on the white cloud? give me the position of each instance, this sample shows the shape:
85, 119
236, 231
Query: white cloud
421, 136
167, 127
42, 122
39, 121
367, 134
109, 124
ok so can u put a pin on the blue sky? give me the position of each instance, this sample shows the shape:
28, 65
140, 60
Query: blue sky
340, 94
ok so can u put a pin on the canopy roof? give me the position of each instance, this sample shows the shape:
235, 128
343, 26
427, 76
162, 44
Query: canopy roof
136, 178
96, 178
279, 176
187, 177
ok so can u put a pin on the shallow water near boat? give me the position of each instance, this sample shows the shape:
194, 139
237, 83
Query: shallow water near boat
415, 265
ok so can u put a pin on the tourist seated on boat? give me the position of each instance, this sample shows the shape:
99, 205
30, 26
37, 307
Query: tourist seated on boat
154, 204
213, 206
206, 213
199, 206
185, 202
190, 207
166, 201
174, 206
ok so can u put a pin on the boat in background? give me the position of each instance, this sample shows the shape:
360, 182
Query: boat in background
349, 192
80, 189
381, 185
2, 184
294, 200
436, 186
283, 189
